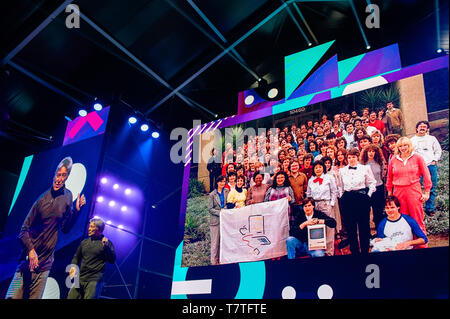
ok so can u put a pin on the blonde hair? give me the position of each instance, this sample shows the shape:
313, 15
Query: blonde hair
401, 141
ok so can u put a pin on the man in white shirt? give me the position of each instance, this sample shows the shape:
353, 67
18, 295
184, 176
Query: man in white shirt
348, 135
357, 184
429, 148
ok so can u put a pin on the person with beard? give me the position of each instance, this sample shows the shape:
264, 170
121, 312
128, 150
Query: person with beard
39, 233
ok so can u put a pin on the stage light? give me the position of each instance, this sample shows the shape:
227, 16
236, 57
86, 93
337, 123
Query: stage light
368, 47
120, 226
249, 100
124, 208
144, 127
309, 44
109, 222
132, 120
96, 217
82, 113
216, 115
439, 50
127, 191
272, 93
155, 134
100, 199
112, 203
98, 107
104, 180
116, 186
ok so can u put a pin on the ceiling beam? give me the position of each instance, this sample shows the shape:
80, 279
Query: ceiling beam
304, 22
218, 57
35, 32
139, 62
44, 83
233, 52
352, 5
291, 15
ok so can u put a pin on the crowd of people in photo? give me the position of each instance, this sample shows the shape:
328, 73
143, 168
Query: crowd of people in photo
343, 172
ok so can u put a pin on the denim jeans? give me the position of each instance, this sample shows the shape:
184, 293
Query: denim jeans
293, 245
429, 205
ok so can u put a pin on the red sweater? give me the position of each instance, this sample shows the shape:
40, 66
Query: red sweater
378, 124
400, 174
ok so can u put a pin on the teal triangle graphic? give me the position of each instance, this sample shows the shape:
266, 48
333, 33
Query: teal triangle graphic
345, 67
23, 174
298, 65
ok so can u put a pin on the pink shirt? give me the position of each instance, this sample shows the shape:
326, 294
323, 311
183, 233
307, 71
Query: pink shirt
408, 172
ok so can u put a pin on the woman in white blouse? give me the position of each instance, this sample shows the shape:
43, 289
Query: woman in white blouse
322, 188
357, 186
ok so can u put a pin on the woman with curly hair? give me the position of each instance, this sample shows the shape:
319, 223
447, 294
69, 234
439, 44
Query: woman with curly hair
377, 139
281, 188
359, 132
373, 156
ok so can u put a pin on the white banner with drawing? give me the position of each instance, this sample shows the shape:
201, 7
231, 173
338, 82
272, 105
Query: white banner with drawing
254, 232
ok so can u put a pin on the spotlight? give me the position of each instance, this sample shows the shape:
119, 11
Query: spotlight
112, 203
127, 191
120, 226
155, 134
132, 120
116, 186
216, 115
309, 44
368, 47
98, 107
96, 216
100, 199
104, 180
124, 208
439, 50
109, 222
144, 127
249, 100
82, 113
272, 93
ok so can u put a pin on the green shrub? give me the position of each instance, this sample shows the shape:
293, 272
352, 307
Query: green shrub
197, 219
438, 224
196, 188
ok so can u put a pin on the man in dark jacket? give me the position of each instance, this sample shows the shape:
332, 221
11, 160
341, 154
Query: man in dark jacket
39, 234
92, 254
298, 234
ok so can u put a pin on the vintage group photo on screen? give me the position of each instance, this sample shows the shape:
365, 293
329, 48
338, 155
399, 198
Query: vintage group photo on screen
364, 173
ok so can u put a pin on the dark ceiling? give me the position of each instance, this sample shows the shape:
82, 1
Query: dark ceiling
136, 53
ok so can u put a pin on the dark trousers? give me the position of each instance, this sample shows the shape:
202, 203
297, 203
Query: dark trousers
87, 290
356, 213
377, 203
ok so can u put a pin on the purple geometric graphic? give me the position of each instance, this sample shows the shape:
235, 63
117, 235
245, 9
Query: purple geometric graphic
83, 127
375, 63
325, 77
420, 68
320, 97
